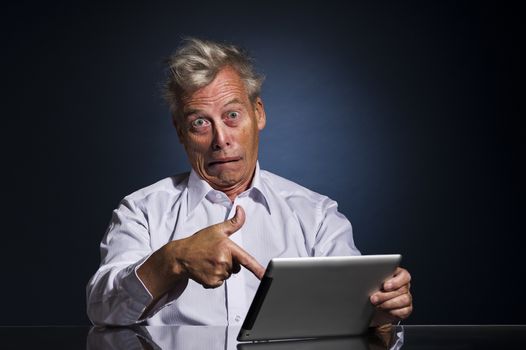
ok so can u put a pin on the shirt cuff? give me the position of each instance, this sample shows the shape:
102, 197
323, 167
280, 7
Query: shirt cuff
138, 295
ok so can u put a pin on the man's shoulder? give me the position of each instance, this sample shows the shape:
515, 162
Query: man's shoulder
290, 190
171, 186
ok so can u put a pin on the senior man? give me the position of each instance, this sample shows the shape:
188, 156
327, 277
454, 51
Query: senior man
191, 249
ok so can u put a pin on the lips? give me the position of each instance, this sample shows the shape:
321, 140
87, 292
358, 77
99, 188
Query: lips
224, 161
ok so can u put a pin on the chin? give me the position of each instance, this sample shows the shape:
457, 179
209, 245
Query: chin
228, 180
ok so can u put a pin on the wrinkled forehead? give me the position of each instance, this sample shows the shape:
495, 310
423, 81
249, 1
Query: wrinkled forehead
216, 92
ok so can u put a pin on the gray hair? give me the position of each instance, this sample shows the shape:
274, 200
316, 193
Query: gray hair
196, 63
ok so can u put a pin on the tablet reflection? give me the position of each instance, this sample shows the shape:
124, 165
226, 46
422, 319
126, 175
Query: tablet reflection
224, 338
391, 339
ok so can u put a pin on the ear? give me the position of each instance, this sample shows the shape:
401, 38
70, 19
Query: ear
261, 117
178, 128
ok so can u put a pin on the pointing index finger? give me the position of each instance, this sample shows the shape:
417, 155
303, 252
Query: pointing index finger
248, 261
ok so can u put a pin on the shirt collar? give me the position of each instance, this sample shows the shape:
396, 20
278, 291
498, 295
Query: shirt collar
259, 188
199, 188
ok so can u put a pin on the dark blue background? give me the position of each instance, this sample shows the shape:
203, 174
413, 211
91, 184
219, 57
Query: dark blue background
400, 111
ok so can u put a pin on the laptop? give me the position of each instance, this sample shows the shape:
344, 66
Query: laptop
316, 297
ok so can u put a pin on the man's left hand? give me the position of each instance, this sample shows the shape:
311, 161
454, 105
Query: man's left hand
394, 301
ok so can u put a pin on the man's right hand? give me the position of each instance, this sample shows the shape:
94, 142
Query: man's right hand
208, 257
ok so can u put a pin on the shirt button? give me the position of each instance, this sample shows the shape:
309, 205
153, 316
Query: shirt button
238, 318
218, 195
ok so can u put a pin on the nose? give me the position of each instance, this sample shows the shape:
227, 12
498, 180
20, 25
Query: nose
220, 140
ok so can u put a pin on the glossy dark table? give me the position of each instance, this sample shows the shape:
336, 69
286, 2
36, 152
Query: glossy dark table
185, 337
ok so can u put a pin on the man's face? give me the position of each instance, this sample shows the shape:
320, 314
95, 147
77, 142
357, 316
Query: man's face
219, 129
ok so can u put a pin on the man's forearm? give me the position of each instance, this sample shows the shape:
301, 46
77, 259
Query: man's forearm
161, 272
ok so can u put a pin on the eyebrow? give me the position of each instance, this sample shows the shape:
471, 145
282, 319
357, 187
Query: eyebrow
192, 111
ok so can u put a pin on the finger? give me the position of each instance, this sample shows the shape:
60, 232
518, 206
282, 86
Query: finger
211, 285
400, 278
240, 256
398, 302
232, 225
223, 272
220, 264
209, 281
402, 313
380, 297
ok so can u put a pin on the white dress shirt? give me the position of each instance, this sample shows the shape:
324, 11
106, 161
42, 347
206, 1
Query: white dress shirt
283, 219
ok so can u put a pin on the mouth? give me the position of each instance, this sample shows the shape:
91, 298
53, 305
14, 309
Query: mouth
224, 161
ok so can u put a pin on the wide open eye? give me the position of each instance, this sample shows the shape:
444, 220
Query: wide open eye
233, 115
200, 123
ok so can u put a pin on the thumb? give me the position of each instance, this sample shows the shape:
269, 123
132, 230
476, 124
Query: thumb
235, 223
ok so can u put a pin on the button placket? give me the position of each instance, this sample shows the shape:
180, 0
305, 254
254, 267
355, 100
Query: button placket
236, 292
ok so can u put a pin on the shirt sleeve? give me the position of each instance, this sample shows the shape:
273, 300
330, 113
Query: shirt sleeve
334, 236
115, 294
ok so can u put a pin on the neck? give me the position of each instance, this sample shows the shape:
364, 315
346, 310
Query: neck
234, 192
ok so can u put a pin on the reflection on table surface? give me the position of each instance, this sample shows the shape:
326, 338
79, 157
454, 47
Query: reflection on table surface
197, 337
224, 338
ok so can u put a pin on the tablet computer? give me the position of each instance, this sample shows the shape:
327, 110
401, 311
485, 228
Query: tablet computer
316, 297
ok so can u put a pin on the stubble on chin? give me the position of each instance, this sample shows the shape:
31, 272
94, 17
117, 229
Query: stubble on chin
228, 180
